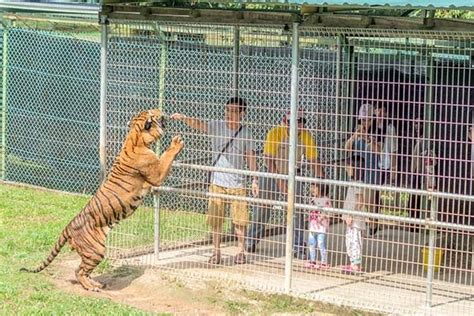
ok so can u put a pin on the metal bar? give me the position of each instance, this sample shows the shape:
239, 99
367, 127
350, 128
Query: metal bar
162, 66
352, 87
76, 20
156, 226
362, 214
235, 83
402, 46
92, 9
428, 117
470, 84
339, 54
292, 158
4, 101
328, 182
161, 97
103, 97
431, 253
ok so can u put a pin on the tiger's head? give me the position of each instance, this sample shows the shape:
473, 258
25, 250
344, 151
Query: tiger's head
146, 128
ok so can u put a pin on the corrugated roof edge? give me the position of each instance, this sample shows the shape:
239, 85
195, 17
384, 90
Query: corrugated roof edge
92, 9
395, 4
429, 4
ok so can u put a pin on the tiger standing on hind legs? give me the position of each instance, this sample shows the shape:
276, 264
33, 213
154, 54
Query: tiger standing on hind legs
135, 171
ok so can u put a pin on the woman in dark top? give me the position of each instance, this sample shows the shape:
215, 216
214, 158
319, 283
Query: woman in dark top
363, 144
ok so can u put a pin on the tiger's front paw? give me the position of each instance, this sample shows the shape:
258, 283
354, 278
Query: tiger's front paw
177, 144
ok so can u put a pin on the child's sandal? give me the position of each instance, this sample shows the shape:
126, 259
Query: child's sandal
323, 266
351, 270
310, 264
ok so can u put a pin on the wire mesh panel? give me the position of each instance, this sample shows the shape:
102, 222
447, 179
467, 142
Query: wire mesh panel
383, 152
52, 130
2, 116
383, 117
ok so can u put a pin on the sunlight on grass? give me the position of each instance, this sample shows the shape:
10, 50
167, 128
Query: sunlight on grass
30, 222
175, 226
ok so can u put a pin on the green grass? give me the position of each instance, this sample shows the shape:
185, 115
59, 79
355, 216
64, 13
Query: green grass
175, 226
30, 222
270, 304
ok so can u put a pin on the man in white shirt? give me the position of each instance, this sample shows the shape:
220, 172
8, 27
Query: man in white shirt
232, 147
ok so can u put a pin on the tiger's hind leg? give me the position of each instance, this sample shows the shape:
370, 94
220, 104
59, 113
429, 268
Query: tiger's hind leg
82, 276
92, 254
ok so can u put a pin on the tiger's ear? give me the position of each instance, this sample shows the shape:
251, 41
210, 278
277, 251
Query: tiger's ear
131, 121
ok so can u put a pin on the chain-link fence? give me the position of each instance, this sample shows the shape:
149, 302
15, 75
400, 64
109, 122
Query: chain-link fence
416, 242
2, 117
51, 90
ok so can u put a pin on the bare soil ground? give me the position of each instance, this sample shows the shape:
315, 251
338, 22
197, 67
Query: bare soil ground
156, 292
145, 289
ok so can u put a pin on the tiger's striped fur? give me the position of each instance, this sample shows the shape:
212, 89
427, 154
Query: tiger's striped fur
135, 171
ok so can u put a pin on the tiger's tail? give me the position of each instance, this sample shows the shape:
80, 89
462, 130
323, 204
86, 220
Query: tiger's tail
57, 248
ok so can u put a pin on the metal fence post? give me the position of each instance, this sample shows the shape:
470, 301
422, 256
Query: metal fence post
352, 93
103, 96
156, 225
292, 158
4, 99
161, 97
431, 253
428, 116
236, 66
339, 54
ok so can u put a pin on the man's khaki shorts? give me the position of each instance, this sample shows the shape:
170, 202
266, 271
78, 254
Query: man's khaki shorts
216, 210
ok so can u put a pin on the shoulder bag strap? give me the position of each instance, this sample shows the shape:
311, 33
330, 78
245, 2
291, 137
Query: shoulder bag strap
226, 146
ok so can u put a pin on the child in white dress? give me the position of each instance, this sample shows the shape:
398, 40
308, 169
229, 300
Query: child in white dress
354, 224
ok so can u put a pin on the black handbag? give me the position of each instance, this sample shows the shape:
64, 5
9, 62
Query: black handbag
209, 175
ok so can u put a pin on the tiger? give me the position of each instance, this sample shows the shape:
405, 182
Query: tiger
134, 172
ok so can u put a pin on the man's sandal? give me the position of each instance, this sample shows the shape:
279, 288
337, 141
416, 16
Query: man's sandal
240, 258
215, 258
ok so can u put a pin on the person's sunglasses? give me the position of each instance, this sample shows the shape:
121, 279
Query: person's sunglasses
301, 120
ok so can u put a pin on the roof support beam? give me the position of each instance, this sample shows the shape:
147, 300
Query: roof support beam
318, 19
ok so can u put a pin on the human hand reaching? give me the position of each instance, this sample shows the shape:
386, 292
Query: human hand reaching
177, 116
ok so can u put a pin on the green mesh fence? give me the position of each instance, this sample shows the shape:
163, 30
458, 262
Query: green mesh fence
2, 114
52, 105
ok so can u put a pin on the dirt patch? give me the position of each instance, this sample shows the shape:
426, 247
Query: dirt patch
159, 292
145, 289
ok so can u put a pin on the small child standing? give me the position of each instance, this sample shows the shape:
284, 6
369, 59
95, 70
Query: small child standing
318, 226
354, 225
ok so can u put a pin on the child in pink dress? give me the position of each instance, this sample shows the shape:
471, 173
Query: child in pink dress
318, 227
